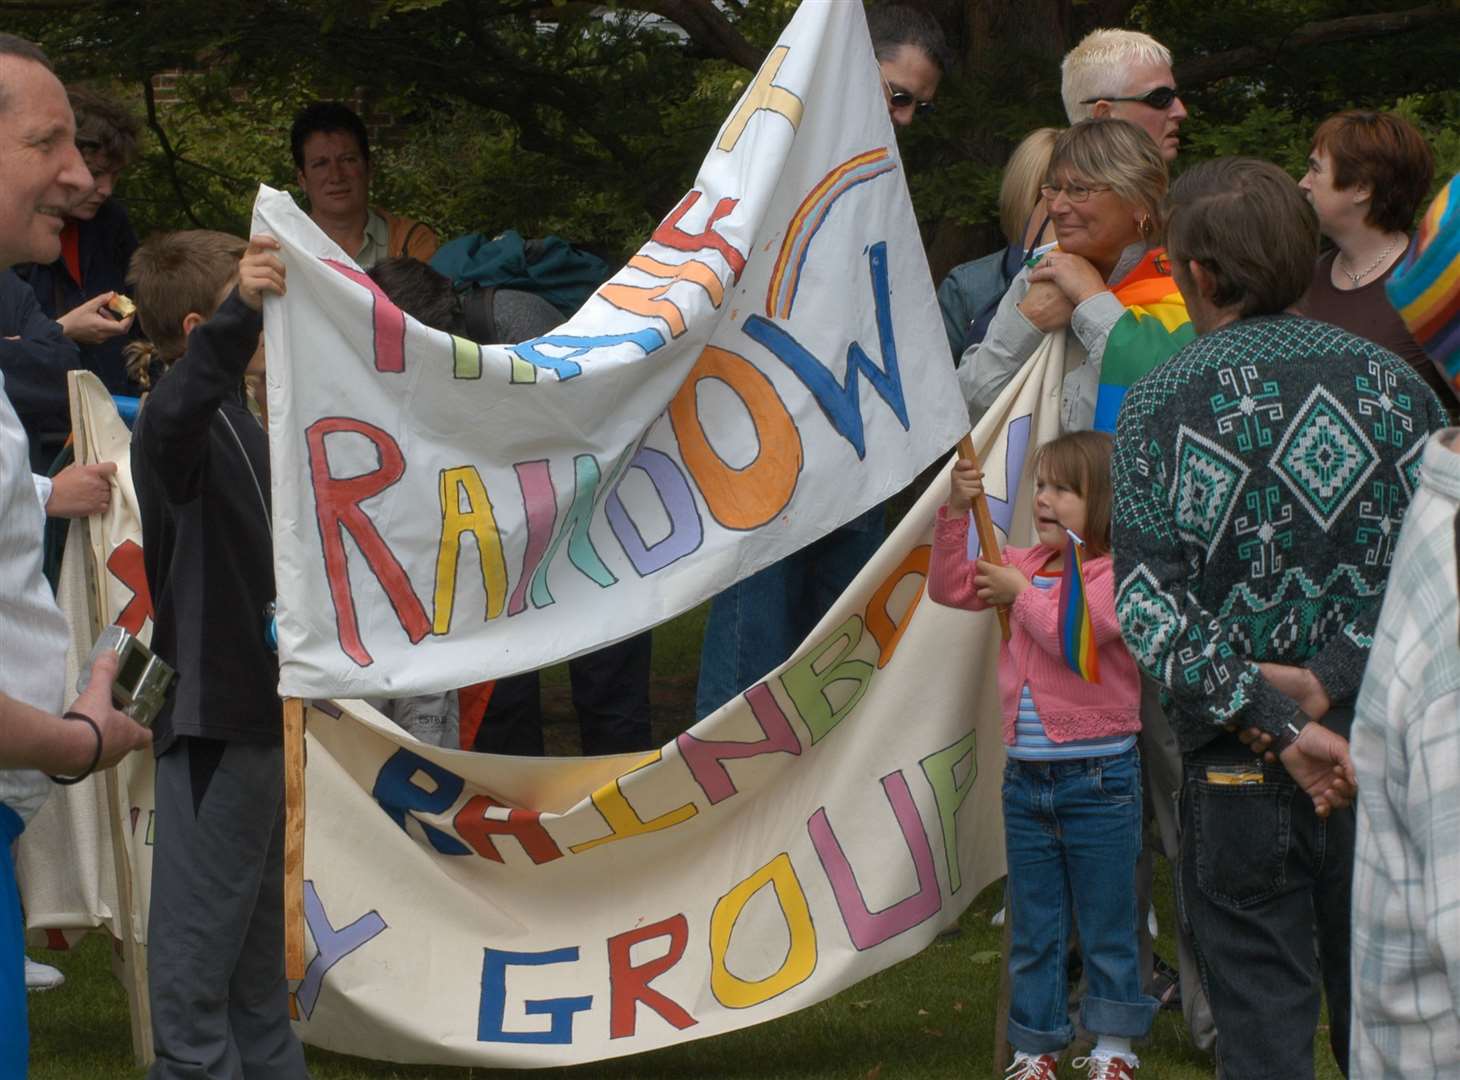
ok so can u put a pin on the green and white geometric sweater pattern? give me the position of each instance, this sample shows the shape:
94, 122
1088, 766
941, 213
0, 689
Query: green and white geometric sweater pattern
1261, 476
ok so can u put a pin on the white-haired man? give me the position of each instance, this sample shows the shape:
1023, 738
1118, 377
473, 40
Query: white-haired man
41, 175
1125, 74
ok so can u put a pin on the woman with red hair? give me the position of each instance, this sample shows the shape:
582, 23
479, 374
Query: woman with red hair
1368, 174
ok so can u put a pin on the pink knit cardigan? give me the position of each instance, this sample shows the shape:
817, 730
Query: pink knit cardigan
1069, 707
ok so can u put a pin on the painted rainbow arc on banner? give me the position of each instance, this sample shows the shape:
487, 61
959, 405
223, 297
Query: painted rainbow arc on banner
1077, 632
786, 276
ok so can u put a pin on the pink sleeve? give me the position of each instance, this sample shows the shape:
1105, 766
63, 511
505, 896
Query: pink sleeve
1038, 610
950, 571
1100, 585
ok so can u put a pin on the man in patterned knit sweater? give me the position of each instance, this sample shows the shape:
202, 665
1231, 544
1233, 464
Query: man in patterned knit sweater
1261, 476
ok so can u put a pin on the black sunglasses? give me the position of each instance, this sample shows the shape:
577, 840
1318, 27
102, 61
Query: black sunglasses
900, 99
1159, 98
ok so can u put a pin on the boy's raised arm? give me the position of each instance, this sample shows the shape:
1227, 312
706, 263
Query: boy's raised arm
173, 429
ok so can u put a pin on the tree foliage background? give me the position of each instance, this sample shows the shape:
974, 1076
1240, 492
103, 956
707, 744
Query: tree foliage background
588, 120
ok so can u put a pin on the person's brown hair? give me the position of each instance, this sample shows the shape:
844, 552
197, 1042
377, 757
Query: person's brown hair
1120, 155
103, 128
173, 275
1081, 461
1385, 153
1248, 225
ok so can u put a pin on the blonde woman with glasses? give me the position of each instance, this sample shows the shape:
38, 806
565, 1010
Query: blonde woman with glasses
1103, 193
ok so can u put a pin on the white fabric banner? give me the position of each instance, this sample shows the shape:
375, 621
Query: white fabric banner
476, 910
66, 861
769, 365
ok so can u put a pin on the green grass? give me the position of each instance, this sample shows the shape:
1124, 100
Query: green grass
931, 1016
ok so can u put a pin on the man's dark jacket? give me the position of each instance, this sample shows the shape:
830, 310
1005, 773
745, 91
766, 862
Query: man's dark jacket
35, 366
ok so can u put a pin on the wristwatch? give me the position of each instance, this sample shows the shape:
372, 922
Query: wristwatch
1291, 728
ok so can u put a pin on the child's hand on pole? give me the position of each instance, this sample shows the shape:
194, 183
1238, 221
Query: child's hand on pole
998, 585
260, 271
965, 484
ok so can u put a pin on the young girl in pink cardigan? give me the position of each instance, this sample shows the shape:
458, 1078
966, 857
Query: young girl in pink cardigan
1072, 784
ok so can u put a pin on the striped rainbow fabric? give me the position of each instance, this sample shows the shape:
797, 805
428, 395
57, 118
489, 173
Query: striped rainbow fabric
1425, 286
1154, 327
1077, 632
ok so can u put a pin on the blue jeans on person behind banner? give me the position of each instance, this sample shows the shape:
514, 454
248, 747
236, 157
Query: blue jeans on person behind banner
1072, 832
758, 622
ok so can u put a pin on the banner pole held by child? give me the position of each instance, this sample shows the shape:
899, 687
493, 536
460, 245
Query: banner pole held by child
983, 523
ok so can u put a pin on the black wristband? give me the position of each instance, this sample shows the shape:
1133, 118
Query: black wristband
1288, 733
95, 758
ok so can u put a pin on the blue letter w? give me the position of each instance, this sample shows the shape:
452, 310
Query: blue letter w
839, 400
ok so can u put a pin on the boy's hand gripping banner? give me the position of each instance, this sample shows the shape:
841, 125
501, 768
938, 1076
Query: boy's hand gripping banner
768, 366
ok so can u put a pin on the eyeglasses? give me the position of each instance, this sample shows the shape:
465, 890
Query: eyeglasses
1159, 98
1076, 193
901, 99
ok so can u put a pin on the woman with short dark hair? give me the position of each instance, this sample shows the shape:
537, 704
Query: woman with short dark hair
1368, 173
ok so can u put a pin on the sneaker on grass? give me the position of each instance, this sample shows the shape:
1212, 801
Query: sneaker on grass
40, 976
1108, 1068
1029, 1067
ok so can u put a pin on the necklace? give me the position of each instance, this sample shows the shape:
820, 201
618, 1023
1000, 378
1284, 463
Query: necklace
1356, 278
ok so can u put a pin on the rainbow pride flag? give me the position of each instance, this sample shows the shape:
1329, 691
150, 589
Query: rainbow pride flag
1154, 327
1077, 632
1425, 286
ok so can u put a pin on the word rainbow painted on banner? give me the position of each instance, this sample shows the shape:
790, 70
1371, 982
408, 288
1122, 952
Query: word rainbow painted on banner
763, 370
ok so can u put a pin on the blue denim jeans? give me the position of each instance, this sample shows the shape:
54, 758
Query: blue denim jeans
758, 622
1072, 831
1264, 884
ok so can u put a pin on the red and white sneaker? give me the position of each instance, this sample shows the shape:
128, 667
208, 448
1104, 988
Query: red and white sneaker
1108, 1068
1029, 1067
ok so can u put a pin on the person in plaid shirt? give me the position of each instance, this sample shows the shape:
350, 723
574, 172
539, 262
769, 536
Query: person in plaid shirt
1406, 734
1406, 752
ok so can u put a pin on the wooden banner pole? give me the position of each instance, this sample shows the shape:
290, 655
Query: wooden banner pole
294, 838
988, 542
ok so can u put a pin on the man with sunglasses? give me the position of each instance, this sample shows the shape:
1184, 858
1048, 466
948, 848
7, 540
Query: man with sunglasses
913, 56
1127, 75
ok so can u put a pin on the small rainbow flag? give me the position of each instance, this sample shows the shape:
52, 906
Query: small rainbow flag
1077, 633
1154, 327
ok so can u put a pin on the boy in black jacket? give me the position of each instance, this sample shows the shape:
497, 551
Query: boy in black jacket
200, 464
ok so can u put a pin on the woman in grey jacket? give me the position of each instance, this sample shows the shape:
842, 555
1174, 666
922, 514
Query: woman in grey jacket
1103, 193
